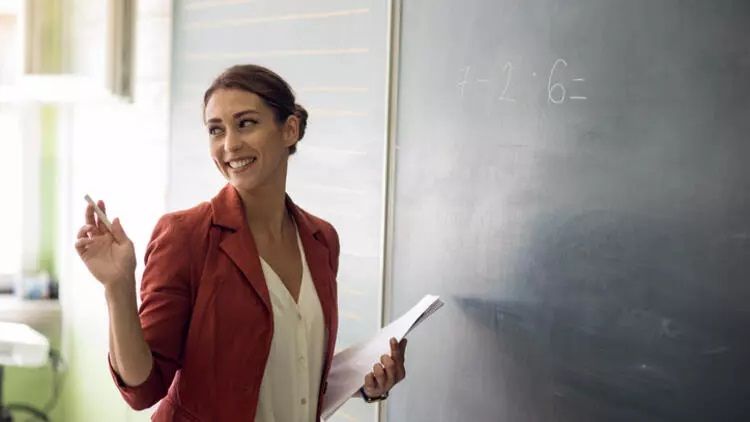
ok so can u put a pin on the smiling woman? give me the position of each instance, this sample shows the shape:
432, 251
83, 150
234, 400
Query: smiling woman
239, 315
254, 124
267, 85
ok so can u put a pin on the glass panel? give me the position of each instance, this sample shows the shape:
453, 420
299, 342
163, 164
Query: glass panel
8, 49
10, 191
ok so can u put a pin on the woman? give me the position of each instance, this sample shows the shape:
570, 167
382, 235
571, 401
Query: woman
238, 318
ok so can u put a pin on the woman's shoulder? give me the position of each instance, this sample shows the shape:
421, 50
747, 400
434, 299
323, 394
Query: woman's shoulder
185, 220
329, 235
316, 223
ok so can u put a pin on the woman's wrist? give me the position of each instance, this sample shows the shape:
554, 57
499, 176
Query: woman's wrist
120, 291
369, 399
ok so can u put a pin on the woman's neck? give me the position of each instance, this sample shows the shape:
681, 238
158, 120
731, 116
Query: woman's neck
266, 213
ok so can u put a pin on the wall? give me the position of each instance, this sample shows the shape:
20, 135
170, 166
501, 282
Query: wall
116, 151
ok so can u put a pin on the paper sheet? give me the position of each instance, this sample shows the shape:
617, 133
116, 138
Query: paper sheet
350, 366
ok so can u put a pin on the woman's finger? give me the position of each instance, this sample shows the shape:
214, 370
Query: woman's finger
118, 233
99, 222
84, 231
397, 369
84, 241
391, 370
91, 220
380, 376
82, 244
396, 351
370, 382
90, 215
388, 362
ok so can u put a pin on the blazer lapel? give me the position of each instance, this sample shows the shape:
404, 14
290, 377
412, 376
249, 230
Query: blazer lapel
238, 242
239, 245
318, 260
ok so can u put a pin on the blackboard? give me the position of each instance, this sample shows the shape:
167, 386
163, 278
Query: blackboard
572, 178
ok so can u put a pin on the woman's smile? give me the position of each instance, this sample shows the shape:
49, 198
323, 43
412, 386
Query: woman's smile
239, 165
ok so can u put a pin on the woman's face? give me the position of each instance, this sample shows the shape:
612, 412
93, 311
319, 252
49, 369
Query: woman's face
248, 146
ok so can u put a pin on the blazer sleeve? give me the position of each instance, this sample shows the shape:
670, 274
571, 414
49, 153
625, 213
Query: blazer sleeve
334, 249
164, 312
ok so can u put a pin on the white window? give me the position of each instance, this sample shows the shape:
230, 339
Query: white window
11, 153
11, 182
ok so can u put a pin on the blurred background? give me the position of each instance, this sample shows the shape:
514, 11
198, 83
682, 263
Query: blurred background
104, 97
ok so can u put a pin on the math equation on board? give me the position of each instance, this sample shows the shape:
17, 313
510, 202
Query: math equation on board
559, 89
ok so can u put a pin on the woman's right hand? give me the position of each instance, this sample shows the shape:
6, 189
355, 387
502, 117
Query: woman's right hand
109, 256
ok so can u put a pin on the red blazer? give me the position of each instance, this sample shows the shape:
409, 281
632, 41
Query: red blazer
206, 311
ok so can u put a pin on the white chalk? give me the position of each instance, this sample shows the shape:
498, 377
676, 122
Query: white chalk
102, 217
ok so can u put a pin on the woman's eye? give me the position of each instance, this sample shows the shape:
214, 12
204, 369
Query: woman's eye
247, 122
213, 131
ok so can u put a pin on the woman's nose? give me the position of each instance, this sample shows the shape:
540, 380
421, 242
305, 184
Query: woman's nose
232, 142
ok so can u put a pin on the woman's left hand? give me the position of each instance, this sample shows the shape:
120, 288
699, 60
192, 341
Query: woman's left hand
388, 372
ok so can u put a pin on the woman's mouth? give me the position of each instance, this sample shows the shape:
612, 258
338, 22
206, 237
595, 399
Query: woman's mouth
241, 163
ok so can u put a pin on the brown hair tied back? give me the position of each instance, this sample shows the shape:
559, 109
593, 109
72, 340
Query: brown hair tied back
301, 114
266, 84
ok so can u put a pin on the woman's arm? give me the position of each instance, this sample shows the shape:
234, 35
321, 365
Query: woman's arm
129, 354
146, 344
110, 257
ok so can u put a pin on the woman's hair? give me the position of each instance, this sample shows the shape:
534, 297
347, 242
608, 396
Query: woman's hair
267, 85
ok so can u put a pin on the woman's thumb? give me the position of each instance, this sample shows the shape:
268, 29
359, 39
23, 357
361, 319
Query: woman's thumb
118, 232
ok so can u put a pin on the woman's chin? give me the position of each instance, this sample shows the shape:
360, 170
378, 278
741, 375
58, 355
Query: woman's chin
247, 184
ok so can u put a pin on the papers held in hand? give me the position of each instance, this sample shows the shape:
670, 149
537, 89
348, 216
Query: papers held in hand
350, 366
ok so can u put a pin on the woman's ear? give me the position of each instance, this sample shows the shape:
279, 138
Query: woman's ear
290, 131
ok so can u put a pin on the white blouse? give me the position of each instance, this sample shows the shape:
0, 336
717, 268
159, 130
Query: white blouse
291, 379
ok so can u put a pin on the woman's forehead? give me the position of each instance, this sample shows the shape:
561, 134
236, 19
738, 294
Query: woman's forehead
226, 102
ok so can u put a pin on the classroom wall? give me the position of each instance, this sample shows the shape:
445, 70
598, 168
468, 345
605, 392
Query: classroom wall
33, 386
116, 151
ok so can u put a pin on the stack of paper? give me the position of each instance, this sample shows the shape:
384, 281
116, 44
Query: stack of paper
350, 366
